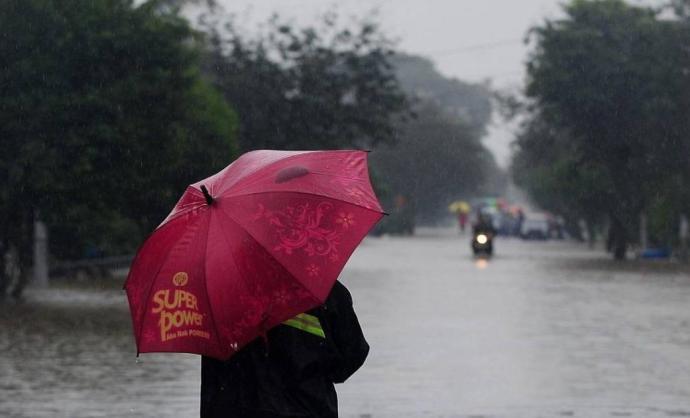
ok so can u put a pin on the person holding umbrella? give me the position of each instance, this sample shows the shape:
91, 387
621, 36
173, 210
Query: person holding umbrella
291, 372
462, 210
244, 270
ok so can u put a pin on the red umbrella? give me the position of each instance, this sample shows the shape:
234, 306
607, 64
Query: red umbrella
248, 248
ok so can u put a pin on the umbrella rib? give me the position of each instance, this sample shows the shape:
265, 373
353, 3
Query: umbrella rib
267, 252
232, 255
183, 211
306, 193
185, 208
208, 297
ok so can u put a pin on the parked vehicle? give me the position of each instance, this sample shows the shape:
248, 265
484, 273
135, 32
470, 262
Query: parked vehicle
535, 227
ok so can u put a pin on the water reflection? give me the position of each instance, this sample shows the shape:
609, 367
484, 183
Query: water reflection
481, 263
65, 359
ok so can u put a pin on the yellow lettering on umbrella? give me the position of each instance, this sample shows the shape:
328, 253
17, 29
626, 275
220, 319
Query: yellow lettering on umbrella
179, 309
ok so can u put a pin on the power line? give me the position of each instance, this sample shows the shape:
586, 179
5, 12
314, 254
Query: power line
475, 47
498, 76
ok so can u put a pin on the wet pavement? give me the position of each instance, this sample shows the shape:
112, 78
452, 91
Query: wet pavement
540, 330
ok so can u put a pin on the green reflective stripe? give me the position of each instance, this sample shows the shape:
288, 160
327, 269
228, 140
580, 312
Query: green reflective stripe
307, 323
309, 319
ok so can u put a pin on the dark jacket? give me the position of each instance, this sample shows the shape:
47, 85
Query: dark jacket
292, 373
484, 227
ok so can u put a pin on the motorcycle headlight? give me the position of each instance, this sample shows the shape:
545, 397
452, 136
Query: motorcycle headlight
482, 239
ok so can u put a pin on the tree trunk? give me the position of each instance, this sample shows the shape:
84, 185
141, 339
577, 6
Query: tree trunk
618, 238
19, 248
4, 278
591, 229
24, 256
610, 238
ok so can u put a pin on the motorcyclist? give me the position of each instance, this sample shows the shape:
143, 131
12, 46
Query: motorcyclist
483, 225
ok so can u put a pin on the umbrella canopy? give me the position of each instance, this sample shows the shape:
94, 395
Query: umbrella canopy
459, 206
248, 248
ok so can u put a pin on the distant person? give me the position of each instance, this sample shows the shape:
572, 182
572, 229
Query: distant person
462, 221
292, 373
483, 225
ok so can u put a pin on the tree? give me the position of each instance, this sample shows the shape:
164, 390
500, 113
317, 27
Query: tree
308, 88
611, 80
438, 156
104, 119
547, 163
421, 80
435, 159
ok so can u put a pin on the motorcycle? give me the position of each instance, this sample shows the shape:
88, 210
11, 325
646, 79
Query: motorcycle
482, 243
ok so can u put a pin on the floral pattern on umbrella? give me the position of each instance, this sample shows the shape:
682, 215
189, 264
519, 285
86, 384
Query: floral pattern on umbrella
303, 227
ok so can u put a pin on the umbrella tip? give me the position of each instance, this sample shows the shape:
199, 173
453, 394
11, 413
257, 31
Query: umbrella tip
208, 197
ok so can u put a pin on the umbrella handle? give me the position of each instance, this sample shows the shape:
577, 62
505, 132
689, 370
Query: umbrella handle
208, 197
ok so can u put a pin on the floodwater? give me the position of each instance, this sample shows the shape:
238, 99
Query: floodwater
540, 330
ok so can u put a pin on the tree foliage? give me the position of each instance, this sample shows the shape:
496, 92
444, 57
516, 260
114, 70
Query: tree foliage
609, 97
333, 86
421, 80
104, 119
315, 87
438, 155
435, 160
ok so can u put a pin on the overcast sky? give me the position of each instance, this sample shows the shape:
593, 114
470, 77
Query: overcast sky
472, 40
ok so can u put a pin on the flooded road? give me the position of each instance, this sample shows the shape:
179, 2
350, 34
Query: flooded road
541, 330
